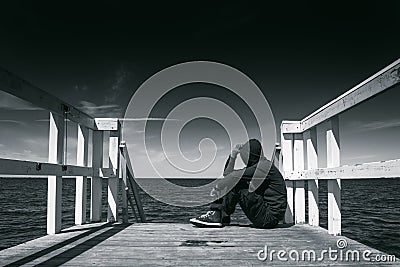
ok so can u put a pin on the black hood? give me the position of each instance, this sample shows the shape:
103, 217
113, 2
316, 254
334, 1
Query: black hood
251, 152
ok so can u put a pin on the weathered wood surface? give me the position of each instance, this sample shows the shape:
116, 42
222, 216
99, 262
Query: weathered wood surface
131, 182
106, 124
32, 169
375, 170
81, 181
20, 88
381, 81
54, 183
156, 244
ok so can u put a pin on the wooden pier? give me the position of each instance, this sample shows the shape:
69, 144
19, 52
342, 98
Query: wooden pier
112, 243
161, 244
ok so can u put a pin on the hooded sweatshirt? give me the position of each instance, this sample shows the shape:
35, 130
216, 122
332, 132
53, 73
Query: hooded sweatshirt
261, 173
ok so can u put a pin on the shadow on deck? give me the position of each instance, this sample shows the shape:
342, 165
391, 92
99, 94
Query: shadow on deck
160, 244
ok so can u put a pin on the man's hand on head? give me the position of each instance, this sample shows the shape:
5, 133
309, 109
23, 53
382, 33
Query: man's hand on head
236, 150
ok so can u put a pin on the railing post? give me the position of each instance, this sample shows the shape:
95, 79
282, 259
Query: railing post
310, 137
299, 193
277, 155
287, 165
123, 177
97, 183
81, 181
56, 152
334, 187
113, 152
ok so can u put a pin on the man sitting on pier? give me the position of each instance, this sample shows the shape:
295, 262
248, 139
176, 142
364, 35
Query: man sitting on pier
264, 204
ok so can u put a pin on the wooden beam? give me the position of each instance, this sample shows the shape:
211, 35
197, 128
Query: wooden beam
291, 127
299, 193
334, 186
106, 124
81, 181
132, 182
105, 172
277, 155
125, 188
287, 165
22, 89
112, 196
135, 190
54, 190
97, 183
381, 81
310, 138
380, 169
31, 168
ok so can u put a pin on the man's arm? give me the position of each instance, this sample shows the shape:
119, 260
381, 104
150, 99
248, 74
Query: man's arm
229, 165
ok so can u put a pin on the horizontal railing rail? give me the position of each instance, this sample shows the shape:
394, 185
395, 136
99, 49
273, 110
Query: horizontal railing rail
32, 168
22, 89
379, 82
299, 153
371, 170
55, 169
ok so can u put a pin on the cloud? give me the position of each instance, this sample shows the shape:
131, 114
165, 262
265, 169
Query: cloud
121, 77
106, 110
26, 154
82, 88
375, 125
11, 102
1, 145
361, 157
12, 122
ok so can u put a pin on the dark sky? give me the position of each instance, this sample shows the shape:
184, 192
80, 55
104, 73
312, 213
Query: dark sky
301, 54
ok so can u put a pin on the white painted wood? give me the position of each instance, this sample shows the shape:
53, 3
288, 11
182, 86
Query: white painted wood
54, 191
277, 155
287, 165
310, 137
96, 185
287, 151
383, 80
31, 168
125, 188
377, 83
81, 181
112, 214
334, 187
291, 127
22, 89
106, 172
131, 181
375, 170
299, 191
106, 124
333, 143
106, 147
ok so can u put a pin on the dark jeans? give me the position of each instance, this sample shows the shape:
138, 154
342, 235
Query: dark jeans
253, 205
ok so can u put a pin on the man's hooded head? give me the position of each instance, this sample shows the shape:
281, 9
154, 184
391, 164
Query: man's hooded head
251, 152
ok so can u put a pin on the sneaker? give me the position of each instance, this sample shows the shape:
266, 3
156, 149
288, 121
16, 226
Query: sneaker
211, 219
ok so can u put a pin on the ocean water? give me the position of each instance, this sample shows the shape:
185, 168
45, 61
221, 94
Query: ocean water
370, 210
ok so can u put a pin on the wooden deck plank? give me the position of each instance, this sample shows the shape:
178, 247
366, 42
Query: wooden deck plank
156, 244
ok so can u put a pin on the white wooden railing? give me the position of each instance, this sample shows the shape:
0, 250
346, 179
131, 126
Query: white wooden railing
56, 168
299, 146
